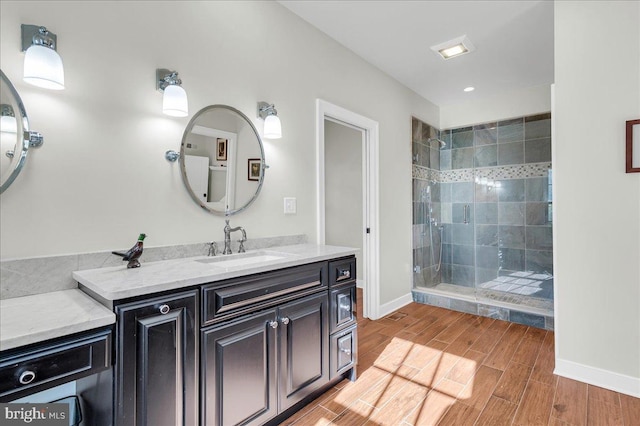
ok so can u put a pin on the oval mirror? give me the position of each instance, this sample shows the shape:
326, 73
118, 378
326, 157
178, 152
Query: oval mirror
222, 160
14, 134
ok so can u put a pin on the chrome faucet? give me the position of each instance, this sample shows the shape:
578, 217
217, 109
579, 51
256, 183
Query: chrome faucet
213, 248
227, 238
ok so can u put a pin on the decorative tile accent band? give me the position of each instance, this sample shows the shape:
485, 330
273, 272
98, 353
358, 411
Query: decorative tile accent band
519, 171
456, 175
425, 173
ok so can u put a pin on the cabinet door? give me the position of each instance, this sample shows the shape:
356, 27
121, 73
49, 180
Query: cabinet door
156, 366
239, 371
303, 348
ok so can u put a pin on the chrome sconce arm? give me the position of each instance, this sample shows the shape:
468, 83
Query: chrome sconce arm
171, 156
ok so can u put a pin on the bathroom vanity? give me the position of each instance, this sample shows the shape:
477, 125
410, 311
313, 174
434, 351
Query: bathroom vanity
243, 339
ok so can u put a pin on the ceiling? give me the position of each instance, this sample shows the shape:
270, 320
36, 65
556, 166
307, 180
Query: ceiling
513, 41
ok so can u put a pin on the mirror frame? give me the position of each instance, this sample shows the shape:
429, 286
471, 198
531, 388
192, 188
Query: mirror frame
24, 126
183, 169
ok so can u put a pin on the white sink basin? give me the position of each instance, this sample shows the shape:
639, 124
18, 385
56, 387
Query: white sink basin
244, 259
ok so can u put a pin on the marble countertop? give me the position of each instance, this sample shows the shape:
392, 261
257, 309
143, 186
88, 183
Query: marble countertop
115, 283
32, 319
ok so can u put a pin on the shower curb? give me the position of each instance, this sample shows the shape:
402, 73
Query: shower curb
532, 317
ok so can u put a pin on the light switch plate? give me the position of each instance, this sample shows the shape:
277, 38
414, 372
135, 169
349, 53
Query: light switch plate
290, 205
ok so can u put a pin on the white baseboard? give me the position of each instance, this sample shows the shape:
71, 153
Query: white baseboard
598, 377
398, 303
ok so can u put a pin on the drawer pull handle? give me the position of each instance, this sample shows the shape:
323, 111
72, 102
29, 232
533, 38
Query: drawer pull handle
27, 377
346, 351
344, 274
285, 320
344, 306
164, 309
273, 324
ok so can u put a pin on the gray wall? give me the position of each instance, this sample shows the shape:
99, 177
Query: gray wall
597, 227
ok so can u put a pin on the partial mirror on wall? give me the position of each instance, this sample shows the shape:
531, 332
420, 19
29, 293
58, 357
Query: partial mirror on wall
222, 160
15, 137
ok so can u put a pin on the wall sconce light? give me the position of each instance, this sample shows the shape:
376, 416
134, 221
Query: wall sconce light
272, 127
174, 100
8, 123
42, 64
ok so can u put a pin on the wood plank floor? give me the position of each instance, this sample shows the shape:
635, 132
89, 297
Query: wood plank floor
424, 365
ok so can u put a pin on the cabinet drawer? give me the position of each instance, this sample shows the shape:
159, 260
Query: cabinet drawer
343, 307
38, 369
342, 351
342, 271
243, 295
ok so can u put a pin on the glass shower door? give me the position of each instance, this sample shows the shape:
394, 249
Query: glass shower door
513, 225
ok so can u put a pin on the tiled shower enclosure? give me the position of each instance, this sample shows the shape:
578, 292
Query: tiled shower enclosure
482, 218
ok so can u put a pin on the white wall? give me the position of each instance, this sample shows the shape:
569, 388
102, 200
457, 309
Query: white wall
101, 177
343, 188
501, 106
597, 205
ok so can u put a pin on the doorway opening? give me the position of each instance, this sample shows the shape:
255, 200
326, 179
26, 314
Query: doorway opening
360, 136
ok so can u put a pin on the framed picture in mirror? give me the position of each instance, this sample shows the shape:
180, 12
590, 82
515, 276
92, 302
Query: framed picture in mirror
254, 169
221, 149
633, 146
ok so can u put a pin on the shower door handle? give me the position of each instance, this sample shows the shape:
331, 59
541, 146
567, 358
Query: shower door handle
465, 214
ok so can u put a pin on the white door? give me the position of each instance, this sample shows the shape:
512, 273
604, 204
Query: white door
197, 169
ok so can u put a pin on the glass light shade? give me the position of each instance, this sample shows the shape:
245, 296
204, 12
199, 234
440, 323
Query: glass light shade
272, 128
43, 68
8, 124
174, 101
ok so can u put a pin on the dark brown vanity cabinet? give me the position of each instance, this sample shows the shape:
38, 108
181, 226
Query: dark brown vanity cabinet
156, 361
249, 350
259, 365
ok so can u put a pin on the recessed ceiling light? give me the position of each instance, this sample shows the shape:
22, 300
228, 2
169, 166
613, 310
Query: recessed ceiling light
469, 89
452, 48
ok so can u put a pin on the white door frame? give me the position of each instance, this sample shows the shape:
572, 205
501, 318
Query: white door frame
370, 244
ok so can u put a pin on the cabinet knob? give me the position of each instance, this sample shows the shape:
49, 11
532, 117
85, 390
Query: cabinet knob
273, 324
27, 377
285, 320
346, 351
164, 309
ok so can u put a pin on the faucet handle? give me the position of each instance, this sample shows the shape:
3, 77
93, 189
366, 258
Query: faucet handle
213, 248
241, 247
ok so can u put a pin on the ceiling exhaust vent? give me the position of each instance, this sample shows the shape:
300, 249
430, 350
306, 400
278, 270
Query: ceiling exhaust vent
452, 48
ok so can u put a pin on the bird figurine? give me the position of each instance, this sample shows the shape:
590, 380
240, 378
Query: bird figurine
133, 254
